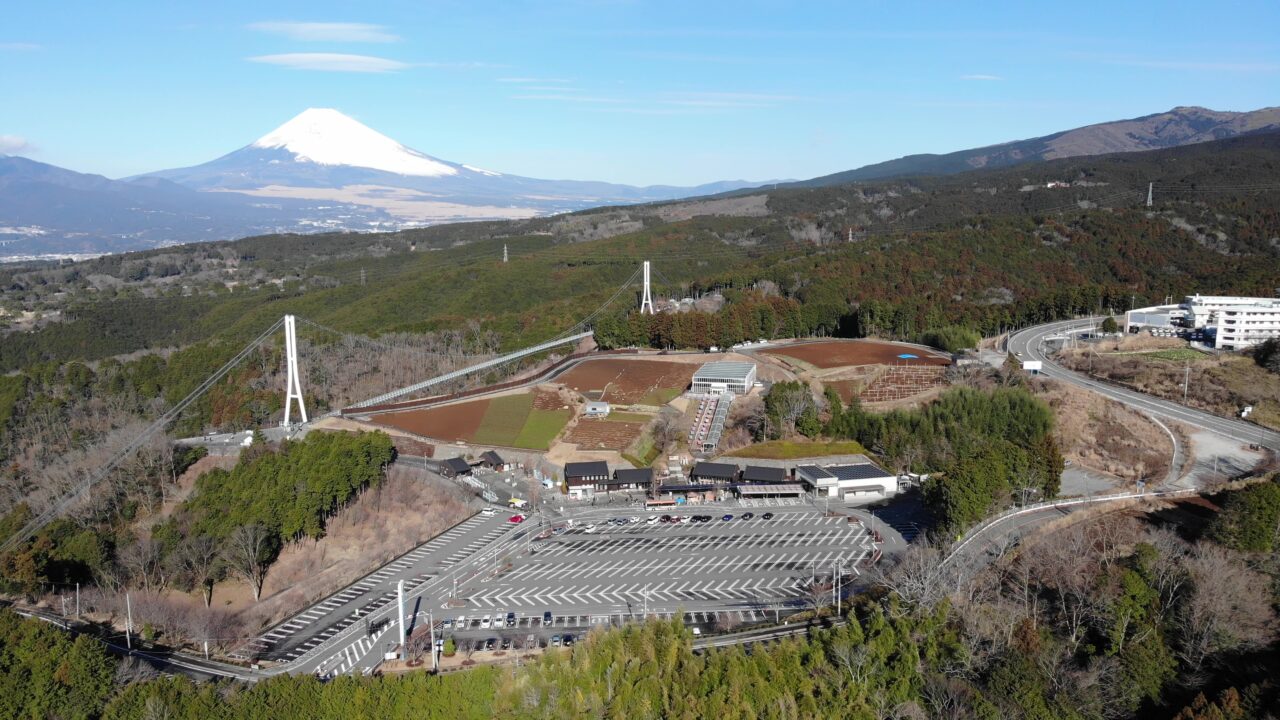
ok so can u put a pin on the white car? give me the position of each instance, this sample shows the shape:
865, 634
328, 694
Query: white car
635, 519
487, 511
461, 622
589, 529
652, 520
485, 622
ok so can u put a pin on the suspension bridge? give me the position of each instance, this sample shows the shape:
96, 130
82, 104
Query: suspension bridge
294, 396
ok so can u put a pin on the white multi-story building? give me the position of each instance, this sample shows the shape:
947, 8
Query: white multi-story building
1229, 322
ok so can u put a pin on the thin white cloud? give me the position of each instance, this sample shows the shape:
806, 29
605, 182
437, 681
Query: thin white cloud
327, 31
14, 144
19, 46
535, 80
332, 62
979, 76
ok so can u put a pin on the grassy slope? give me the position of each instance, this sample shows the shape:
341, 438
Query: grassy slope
790, 450
541, 428
511, 421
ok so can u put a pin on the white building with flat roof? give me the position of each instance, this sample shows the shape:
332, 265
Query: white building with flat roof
1229, 322
852, 482
714, 378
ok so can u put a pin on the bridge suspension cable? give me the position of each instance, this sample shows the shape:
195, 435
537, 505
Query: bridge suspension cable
60, 506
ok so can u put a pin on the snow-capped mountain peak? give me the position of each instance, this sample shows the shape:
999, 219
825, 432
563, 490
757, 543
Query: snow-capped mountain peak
327, 137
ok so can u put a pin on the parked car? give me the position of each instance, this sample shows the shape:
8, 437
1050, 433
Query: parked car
568, 640
546, 619
653, 520
511, 619
727, 517
767, 516
747, 515
461, 622
589, 529
506, 643
491, 643
485, 622
447, 624
555, 641
517, 518
635, 519
665, 519
487, 511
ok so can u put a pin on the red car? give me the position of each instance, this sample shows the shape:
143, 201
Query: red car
517, 518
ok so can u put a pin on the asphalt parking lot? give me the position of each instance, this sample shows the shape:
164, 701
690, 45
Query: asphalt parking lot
633, 568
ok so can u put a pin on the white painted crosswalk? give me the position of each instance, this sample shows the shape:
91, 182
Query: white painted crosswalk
674, 592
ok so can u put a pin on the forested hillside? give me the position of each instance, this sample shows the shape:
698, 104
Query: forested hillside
1114, 617
985, 249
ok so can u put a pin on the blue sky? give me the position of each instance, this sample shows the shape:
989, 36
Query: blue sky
636, 92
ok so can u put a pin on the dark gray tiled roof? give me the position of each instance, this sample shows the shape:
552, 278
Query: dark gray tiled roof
593, 468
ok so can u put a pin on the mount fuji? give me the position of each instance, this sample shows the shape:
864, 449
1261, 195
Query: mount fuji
322, 154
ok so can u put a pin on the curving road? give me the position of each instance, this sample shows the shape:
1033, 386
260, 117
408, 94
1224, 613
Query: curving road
1030, 343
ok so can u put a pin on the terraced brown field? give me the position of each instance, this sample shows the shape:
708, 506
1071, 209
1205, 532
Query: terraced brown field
547, 400
628, 381
848, 353
457, 422
603, 434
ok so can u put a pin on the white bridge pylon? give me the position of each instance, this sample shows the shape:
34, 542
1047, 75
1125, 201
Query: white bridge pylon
646, 299
293, 383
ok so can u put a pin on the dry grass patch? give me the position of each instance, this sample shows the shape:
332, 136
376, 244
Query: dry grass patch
1104, 435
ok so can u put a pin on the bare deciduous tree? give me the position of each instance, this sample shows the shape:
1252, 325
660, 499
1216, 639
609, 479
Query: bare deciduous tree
198, 560
1228, 608
918, 577
666, 430
246, 555
143, 563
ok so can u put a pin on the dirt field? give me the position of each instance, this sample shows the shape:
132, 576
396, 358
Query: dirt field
627, 381
846, 353
603, 434
549, 400
457, 423
507, 420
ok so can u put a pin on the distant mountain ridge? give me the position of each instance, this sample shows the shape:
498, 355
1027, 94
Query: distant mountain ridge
323, 148
45, 209
1183, 125
320, 171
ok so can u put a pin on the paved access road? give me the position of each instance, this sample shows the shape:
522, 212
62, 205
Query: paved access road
1030, 343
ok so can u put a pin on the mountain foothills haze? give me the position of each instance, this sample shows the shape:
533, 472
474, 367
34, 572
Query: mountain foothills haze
323, 170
